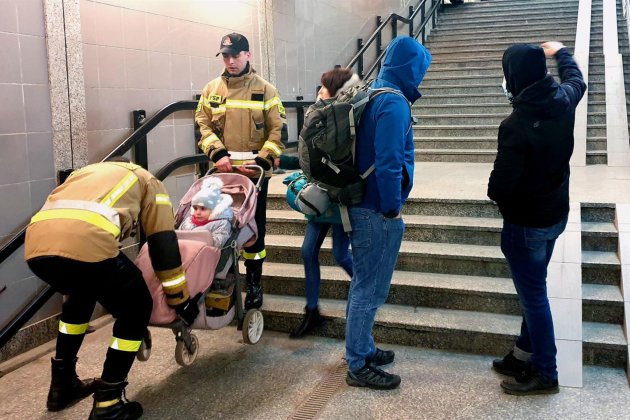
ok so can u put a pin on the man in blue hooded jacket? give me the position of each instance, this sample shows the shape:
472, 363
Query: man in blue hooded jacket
530, 184
385, 140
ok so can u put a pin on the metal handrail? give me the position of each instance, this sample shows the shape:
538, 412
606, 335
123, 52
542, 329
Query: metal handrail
393, 20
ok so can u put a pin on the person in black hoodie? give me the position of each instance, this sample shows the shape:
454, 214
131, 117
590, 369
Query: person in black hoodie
530, 184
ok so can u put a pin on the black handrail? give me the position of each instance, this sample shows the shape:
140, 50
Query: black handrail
393, 20
179, 162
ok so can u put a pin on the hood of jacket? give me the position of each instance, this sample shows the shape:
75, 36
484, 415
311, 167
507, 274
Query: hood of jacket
533, 89
405, 64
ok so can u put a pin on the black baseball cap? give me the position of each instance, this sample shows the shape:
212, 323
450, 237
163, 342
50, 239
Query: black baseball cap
233, 44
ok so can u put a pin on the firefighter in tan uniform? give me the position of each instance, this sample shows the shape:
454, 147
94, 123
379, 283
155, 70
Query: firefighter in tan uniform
242, 121
73, 243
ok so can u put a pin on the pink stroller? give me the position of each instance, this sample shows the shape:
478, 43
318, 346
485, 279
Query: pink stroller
211, 273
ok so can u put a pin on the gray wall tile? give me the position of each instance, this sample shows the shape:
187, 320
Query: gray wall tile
184, 140
199, 73
90, 65
92, 109
137, 70
160, 75
157, 33
11, 109
135, 29
88, 21
40, 190
37, 108
111, 67
34, 59
40, 156
17, 293
16, 207
13, 270
9, 62
114, 115
8, 17
108, 23
180, 72
161, 146
101, 142
13, 159
137, 99
31, 17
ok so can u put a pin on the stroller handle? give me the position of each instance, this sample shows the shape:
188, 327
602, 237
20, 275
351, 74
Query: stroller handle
260, 170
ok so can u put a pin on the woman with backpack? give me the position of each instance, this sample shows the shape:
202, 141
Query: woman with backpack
333, 82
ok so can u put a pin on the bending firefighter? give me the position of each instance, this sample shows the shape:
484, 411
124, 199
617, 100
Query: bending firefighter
73, 244
242, 122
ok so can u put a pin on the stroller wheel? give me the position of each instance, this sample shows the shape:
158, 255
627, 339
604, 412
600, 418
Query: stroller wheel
182, 356
253, 324
144, 352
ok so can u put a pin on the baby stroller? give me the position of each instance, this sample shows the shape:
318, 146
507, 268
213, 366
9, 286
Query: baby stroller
212, 273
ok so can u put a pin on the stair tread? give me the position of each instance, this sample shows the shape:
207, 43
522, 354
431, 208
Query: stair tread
459, 151
472, 223
424, 318
599, 227
599, 257
601, 292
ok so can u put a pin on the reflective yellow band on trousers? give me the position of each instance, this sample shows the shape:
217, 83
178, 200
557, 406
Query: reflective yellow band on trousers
254, 255
125, 345
180, 279
72, 329
119, 190
76, 214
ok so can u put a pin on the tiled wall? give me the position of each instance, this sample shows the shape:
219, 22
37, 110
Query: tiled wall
27, 172
144, 55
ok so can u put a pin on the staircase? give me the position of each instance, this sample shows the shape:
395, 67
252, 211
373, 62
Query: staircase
463, 102
596, 152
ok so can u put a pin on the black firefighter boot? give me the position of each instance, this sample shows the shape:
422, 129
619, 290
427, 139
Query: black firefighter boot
312, 319
254, 297
110, 402
65, 386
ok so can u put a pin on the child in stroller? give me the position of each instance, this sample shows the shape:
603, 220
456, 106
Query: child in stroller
212, 271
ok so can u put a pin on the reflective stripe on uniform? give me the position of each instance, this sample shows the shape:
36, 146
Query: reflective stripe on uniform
76, 214
275, 101
242, 155
242, 104
273, 147
72, 329
254, 255
163, 199
125, 345
173, 282
207, 142
119, 190
105, 404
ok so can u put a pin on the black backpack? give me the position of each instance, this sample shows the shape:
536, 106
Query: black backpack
327, 140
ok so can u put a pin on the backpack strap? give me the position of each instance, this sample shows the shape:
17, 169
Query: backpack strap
345, 218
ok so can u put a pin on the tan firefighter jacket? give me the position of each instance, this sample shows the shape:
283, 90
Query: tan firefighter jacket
98, 206
242, 116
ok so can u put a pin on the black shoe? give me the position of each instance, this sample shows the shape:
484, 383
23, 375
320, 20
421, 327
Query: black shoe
312, 319
535, 384
510, 365
110, 403
372, 377
66, 388
254, 297
382, 357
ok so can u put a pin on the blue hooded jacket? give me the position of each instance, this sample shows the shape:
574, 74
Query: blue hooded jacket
385, 135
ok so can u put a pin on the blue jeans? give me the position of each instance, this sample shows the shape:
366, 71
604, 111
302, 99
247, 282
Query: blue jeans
313, 239
375, 243
528, 251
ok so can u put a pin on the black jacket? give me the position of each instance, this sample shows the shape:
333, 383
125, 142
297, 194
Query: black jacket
530, 179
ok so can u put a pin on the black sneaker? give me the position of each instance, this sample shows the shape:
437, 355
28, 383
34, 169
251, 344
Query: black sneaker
372, 377
382, 357
534, 385
510, 365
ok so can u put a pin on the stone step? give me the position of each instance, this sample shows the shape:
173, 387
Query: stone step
596, 118
455, 143
596, 157
596, 106
508, 14
600, 236
456, 155
444, 258
457, 98
429, 131
541, 23
484, 294
454, 330
421, 206
522, 33
493, 108
602, 303
534, 16
440, 79
601, 268
597, 212
461, 119
596, 130
445, 55
442, 64
446, 229
596, 143
510, 5
502, 42
451, 70
475, 89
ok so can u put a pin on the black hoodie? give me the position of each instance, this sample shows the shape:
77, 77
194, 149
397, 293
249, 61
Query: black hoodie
530, 179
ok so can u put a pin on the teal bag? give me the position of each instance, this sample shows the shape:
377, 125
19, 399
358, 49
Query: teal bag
309, 199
